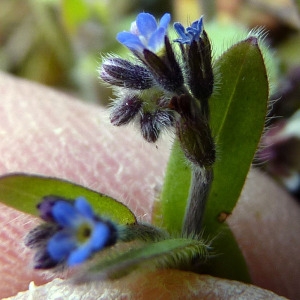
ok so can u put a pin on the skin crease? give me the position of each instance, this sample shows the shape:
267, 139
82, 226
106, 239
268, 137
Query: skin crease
49, 133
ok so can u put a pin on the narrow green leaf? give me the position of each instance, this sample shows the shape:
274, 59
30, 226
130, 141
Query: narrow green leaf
238, 111
166, 253
24, 192
170, 209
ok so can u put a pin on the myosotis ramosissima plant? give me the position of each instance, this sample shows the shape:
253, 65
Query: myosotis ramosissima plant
165, 84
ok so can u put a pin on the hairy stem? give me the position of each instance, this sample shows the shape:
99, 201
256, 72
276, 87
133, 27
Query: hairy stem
200, 186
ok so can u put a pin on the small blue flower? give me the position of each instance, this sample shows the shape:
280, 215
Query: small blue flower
145, 33
191, 33
81, 232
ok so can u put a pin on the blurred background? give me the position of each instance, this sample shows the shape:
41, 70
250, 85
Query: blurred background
59, 43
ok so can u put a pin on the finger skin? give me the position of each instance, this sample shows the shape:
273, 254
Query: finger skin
266, 223
159, 284
49, 133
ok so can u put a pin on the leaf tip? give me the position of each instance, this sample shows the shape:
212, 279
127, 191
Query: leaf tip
253, 40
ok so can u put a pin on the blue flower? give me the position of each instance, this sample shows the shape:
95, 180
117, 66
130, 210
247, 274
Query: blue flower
81, 233
191, 33
145, 33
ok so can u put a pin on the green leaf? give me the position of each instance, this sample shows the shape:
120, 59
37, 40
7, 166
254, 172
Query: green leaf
238, 111
125, 258
24, 192
170, 209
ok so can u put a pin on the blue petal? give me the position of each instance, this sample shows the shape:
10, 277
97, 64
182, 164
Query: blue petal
65, 214
200, 24
100, 236
130, 40
189, 34
61, 245
164, 21
194, 25
146, 24
122, 37
156, 41
196, 28
184, 37
79, 255
84, 208
179, 29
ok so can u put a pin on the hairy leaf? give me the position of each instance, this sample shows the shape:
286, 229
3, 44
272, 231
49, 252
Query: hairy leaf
126, 258
24, 192
238, 111
170, 209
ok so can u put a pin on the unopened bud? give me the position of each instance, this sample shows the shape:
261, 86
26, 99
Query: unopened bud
124, 111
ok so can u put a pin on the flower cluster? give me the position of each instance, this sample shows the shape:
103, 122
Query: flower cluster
143, 87
161, 87
72, 233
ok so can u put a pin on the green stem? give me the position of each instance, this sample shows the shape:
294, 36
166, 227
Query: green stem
198, 195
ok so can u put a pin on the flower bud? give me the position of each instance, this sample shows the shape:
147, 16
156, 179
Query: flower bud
124, 111
153, 123
123, 73
200, 73
165, 68
193, 132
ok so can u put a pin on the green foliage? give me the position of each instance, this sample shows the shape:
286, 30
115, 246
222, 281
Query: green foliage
169, 210
238, 110
24, 192
125, 258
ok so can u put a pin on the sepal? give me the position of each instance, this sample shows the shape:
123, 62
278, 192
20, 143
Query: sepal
152, 124
123, 73
193, 132
200, 72
165, 68
125, 110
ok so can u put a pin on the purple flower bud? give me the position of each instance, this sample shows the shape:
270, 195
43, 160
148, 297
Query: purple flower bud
200, 72
45, 207
124, 111
153, 123
123, 73
165, 70
43, 260
149, 131
194, 132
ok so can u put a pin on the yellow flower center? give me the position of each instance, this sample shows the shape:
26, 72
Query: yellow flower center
84, 232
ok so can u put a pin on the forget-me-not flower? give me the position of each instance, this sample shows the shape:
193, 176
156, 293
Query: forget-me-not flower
82, 233
196, 54
191, 33
72, 234
145, 33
